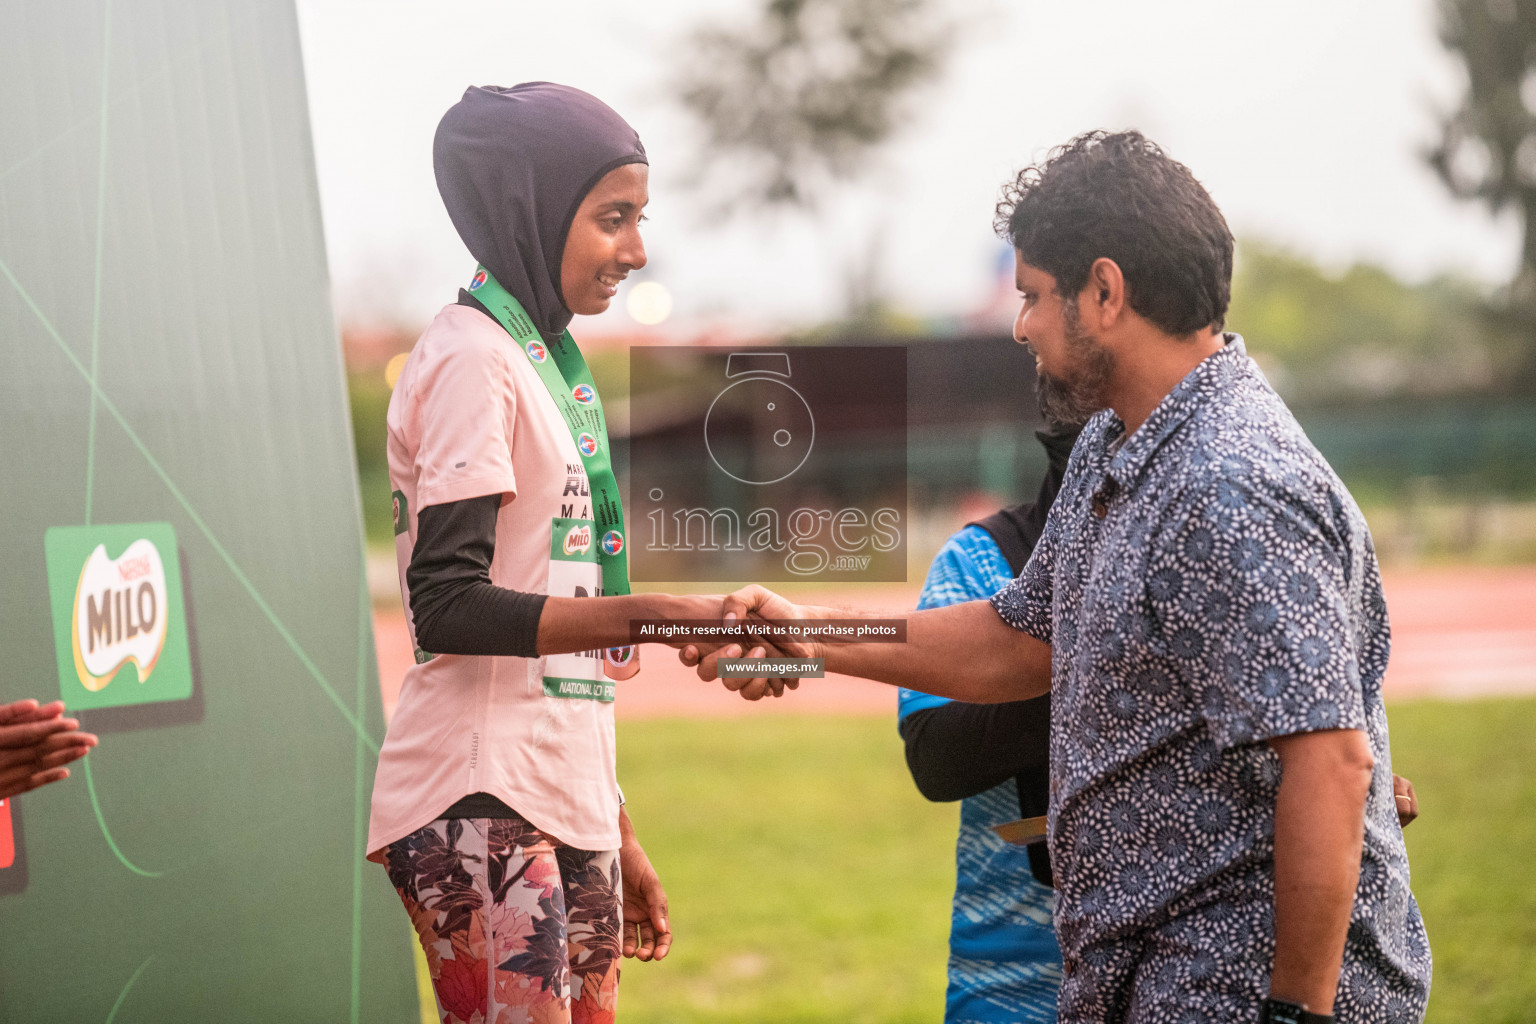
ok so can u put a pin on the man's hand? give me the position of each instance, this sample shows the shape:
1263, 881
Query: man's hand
35, 744
647, 936
1407, 800
750, 688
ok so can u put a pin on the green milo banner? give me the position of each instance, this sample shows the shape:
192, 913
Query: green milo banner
181, 559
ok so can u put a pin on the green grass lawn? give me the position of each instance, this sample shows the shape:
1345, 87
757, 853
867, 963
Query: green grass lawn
808, 879
810, 882
1473, 851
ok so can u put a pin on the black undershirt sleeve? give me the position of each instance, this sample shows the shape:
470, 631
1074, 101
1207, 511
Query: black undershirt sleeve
958, 750
455, 606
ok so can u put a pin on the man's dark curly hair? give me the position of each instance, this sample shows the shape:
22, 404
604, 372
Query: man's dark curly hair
1119, 196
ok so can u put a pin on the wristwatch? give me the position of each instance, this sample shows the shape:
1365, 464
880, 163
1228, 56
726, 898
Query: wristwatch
1278, 1011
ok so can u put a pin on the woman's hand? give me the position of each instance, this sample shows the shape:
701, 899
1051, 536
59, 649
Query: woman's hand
647, 936
35, 745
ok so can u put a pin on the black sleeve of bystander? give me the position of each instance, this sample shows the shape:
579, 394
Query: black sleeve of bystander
958, 750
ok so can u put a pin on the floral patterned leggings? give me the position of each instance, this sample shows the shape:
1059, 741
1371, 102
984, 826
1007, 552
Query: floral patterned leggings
518, 928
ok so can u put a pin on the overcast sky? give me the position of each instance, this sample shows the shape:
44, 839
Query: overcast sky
1303, 119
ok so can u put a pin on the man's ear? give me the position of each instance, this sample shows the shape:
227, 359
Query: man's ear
1103, 294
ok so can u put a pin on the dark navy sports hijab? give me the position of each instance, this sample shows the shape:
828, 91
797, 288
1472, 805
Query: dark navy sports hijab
512, 165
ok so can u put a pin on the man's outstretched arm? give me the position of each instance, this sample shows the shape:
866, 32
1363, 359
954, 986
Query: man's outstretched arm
962, 651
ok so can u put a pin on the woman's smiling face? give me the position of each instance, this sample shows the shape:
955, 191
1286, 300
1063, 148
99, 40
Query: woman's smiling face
603, 244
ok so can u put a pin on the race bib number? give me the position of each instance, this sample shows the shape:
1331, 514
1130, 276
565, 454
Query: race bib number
574, 572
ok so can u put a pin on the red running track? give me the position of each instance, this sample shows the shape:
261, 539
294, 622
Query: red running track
1456, 632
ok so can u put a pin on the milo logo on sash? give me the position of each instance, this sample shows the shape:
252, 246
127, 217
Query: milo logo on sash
116, 597
574, 571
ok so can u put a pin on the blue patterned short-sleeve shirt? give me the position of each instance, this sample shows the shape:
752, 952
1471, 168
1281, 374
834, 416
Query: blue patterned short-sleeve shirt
1206, 584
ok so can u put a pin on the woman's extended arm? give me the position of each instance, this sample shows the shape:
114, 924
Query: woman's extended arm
458, 610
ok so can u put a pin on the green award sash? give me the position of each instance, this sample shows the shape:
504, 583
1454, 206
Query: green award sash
565, 376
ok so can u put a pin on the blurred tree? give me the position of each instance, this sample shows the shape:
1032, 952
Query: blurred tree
1487, 147
1363, 334
800, 98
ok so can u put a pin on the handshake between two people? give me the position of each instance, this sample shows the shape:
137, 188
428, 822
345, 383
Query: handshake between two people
962, 651
773, 630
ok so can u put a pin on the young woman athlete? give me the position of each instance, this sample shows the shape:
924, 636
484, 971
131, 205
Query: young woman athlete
495, 807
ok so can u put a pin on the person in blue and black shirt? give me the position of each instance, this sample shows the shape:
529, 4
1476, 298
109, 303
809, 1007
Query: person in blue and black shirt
1004, 964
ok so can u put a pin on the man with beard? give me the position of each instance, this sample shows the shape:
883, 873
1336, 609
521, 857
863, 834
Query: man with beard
1205, 609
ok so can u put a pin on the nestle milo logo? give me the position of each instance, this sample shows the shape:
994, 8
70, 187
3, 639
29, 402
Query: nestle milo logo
578, 540
116, 597
118, 614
